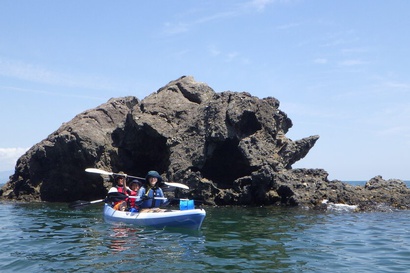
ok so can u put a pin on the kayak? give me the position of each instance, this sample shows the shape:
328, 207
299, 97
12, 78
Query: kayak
157, 217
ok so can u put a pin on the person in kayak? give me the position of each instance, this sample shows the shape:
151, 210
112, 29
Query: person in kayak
119, 186
150, 190
135, 185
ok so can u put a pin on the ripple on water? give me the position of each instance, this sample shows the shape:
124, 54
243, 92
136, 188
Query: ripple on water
52, 238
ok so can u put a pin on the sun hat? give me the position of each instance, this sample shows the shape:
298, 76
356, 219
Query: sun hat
136, 181
153, 174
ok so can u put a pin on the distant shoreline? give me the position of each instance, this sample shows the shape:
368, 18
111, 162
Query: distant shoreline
4, 177
363, 182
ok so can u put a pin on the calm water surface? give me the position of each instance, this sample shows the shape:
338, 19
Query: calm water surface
53, 238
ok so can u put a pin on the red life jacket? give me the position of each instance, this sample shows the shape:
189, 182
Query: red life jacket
121, 189
131, 201
118, 205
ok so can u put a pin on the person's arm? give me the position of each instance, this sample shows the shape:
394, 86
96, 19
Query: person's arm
141, 195
162, 195
141, 192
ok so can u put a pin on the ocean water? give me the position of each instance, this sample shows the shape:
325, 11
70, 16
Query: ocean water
53, 238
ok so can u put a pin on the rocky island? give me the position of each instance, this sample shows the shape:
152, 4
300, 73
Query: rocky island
230, 148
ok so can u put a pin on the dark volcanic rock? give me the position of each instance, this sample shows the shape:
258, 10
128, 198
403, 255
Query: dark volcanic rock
229, 147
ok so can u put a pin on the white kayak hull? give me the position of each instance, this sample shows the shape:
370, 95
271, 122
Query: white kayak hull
158, 218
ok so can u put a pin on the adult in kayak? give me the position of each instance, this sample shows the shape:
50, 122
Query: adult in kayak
151, 189
119, 186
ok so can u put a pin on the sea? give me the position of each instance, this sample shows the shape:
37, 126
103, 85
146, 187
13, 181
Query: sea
51, 237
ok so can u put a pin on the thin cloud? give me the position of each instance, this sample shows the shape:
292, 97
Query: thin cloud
182, 27
35, 73
48, 93
299, 109
175, 28
402, 131
260, 5
320, 61
387, 86
171, 28
345, 38
9, 156
24, 71
217, 16
288, 26
232, 55
354, 50
352, 62
398, 85
213, 51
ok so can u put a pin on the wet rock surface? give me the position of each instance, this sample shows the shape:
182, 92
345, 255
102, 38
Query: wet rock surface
230, 148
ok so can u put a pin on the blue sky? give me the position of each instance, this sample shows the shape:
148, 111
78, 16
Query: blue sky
339, 68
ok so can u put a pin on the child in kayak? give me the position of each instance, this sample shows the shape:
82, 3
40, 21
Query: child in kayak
150, 190
135, 185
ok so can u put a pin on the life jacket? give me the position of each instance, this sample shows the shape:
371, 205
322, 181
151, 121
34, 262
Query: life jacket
122, 204
121, 190
131, 201
151, 193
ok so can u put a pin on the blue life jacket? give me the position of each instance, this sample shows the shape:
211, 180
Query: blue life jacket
150, 202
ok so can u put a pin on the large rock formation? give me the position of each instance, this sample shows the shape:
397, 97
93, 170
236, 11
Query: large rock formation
229, 148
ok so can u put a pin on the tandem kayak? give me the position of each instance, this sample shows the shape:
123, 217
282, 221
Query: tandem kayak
157, 217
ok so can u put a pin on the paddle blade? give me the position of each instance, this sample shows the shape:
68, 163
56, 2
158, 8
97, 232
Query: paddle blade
94, 170
80, 204
176, 185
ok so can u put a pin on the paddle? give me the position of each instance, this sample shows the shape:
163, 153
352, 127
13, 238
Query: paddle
171, 184
114, 197
79, 203
124, 185
118, 196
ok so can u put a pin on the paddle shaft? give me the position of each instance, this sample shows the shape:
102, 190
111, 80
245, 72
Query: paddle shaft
99, 171
79, 203
124, 185
171, 184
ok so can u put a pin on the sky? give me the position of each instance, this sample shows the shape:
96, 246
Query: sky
340, 69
